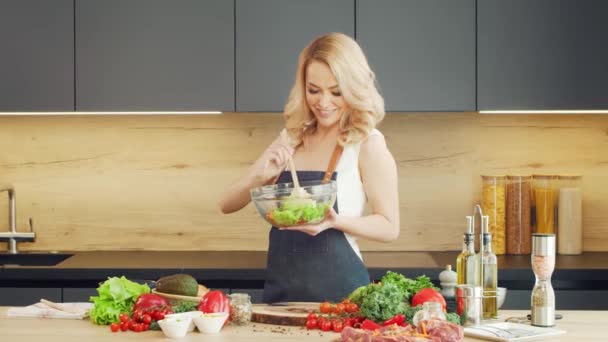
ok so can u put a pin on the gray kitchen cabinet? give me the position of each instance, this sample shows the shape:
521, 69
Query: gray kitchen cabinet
37, 59
269, 37
147, 55
78, 294
564, 300
23, 296
423, 52
542, 54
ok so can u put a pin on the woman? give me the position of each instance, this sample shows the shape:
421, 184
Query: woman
332, 111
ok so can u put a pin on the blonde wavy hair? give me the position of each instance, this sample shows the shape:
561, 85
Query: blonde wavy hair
356, 81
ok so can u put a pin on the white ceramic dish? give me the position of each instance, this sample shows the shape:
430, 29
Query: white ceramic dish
501, 294
210, 323
510, 332
175, 327
190, 314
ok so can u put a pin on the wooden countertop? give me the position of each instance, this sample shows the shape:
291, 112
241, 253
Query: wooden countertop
580, 325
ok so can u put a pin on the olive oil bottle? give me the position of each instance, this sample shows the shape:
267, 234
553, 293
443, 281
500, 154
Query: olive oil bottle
467, 263
489, 273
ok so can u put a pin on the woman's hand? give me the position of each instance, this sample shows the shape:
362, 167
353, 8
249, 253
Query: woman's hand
274, 159
314, 229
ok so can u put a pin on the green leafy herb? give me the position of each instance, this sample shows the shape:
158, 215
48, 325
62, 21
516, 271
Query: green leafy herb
184, 306
116, 296
408, 286
380, 302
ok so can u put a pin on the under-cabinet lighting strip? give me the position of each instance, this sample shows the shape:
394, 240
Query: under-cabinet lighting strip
600, 111
110, 113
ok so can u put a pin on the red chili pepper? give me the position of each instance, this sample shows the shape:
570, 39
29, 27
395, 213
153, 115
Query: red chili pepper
397, 319
370, 325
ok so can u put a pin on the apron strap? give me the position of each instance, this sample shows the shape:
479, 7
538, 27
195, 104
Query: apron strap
335, 157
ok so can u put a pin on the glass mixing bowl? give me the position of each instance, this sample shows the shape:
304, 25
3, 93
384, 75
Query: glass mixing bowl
276, 205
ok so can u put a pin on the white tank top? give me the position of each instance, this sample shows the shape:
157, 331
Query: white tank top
351, 195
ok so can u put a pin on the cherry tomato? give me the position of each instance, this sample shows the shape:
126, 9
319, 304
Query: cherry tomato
321, 321
138, 327
311, 315
346, 301
114, 327
146, 319
326, 326
124, 326
339, 308
351, 307
146, 327
325, 307
123, 317
337, 326
158, 315
311, 324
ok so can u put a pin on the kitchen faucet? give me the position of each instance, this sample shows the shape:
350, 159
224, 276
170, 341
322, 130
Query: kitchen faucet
12, 236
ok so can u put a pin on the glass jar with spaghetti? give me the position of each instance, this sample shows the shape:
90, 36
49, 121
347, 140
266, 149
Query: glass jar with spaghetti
545, 201
493, 202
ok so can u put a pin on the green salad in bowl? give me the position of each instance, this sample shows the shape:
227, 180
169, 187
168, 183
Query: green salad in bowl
277, 205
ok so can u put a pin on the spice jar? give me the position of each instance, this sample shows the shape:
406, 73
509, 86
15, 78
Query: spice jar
545, 204
240, 305
493, 204
518, 225
468, 304
430, 310
570, 218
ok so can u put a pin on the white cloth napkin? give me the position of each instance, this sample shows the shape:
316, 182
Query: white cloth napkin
74, 311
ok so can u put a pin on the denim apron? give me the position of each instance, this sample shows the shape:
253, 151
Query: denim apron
305, 268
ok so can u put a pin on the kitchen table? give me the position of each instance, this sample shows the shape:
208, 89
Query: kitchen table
580, 326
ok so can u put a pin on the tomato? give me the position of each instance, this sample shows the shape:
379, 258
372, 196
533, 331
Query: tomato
321, 321
311, 315
326, 326
428, 295
123, 317
158, 315
339, 308
138, 327
146, 319
124, 326
351, 307
337, 326
146, 327
346, 301
114, 327
149, 301
325, 307
311, 324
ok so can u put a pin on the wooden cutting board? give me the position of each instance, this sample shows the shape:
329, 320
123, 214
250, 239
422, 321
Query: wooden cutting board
285, 313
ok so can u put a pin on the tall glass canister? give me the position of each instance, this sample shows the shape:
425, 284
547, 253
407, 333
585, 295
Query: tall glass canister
493, 194
545, 204
570, 215
518, 216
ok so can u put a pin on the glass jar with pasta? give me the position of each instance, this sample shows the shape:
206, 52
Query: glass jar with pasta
544, 204
519, 228
493, 203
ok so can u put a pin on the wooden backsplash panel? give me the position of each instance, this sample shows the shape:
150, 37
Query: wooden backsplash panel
152, 182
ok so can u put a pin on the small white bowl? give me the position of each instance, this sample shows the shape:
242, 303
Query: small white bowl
210, 323
175, 327
190, 314
501, 294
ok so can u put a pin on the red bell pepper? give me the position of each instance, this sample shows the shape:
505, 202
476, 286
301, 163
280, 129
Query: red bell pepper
214, 301
397, 319
368, 324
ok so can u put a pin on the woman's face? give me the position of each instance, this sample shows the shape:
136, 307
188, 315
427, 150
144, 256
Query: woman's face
323, 95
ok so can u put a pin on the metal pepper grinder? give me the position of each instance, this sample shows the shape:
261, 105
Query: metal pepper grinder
543, 264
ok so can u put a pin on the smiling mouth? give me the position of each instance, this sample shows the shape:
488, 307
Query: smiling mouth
326, 112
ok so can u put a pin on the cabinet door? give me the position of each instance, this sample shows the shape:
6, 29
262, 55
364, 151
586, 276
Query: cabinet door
154, 55
37, 58
78, 294
542, 54
23, 296
269, 37
423, 52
